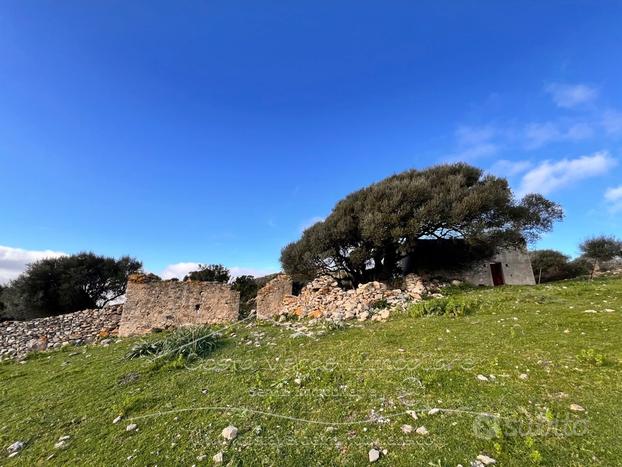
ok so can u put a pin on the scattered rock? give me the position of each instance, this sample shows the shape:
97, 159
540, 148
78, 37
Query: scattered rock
576, 408
219, 458
16, 447
201, 458
486, 460
413, 414
407, 429
482, 378
423, 431
523, 376
374, 455
131, 427
230, 433
434, 411
117, 420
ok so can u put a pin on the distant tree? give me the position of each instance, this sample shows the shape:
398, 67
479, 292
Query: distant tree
210, 273
2, 306
370, 231
552, 265
55, 286
598, 250
248, 287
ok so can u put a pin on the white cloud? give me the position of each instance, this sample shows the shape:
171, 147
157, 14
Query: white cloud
612, 122
614, 197
510, 168
614, 194
571, 95
13, 261
180, 270
549, 176
309, 222
539, 134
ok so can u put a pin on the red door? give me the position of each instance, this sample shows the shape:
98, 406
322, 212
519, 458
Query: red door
497, 274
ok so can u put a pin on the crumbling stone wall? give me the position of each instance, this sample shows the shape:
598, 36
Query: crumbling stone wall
270, 297
17, 338
152, 303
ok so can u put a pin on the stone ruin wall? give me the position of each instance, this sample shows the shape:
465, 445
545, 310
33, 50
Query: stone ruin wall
153, 304
323, 298
270, 297
17, 338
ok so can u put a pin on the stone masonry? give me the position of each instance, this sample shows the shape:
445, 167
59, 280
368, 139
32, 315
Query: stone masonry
153, 304
270, 297
324, 299
17, 338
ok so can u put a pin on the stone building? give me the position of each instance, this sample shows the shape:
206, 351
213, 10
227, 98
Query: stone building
152, 304
453, 259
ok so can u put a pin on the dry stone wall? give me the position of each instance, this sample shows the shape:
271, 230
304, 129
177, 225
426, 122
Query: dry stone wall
17, 338
152, 304
323, 298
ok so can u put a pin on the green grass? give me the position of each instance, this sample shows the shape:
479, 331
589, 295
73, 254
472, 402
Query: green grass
327, 399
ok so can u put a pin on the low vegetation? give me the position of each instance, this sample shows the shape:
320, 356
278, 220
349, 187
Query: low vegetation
524, 375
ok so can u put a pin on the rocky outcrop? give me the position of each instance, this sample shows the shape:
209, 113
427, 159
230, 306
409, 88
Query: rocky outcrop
17, 338
153, 304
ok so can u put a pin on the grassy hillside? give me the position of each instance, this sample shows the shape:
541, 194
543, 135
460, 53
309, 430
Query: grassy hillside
331, 397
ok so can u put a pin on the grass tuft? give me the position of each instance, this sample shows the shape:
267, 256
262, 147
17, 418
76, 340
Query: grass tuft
185, 344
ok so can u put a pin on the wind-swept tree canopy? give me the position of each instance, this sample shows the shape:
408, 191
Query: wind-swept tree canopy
370, 231
55, 286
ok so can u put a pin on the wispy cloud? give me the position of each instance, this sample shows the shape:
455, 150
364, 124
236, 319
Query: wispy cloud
549, 176
612, 122
508, 168
309, 222
13, 261
613, 197
180, 270
571, 95
539, 134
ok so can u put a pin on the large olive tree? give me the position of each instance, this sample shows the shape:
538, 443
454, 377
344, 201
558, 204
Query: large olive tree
370, 231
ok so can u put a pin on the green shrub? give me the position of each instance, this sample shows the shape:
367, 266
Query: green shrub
187, 344
446, 306
590, 356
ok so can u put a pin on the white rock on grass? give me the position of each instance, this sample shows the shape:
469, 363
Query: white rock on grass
423, 431
576, 408
230, 433
407, 429
219, 458
117, 420
131, 427
434, 411
16, 447
413, 414
374, 455
523, 376
482, 378
486, 460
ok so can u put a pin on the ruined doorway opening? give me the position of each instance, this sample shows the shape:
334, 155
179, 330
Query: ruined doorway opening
497, 274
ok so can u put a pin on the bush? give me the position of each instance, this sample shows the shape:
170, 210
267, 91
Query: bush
55, 286
186, 344
552, 265
210, 273
446, 306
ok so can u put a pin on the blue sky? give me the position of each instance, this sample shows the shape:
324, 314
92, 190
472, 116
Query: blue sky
215, 131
